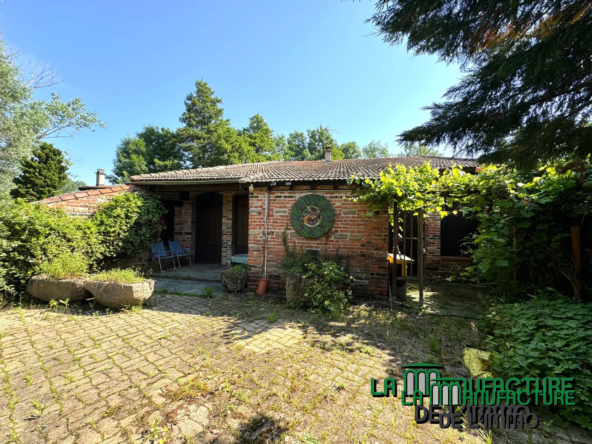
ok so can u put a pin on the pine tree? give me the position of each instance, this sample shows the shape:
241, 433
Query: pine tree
525, 96
42, 175
207, 139
259, 137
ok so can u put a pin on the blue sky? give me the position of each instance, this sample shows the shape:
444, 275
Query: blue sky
298, 64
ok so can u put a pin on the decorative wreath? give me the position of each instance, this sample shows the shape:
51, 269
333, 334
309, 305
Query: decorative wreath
312, 216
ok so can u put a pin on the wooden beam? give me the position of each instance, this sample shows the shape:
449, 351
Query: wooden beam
420, 228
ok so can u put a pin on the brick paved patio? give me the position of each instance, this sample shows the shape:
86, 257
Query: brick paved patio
229, 369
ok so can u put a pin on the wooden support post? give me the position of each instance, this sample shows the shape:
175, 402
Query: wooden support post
576, 254
420, 254
395, 247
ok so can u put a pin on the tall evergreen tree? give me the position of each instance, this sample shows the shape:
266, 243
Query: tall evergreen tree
526, 95
260, 139
208, 139
42, 175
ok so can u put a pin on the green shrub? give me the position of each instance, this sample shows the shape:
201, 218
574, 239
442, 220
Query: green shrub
128, 224
119, 276
546, 337
33, 234
329, 289
65, 266
299, 262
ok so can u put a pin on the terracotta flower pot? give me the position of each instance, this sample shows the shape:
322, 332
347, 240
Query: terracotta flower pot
262, 287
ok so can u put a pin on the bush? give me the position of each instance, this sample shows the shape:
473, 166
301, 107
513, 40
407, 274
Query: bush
32, 234
329, 289
546, 337
119, 276
128, 224
65, 266
35, 238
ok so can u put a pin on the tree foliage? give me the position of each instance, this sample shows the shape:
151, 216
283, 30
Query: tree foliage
42, 175
375, 149
525, 96
152, 150
417, 149
24, 120
524, 224
208, 139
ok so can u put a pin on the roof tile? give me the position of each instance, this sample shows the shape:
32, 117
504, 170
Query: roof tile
300, 170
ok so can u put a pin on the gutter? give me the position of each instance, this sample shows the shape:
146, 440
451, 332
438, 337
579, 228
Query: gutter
183, 182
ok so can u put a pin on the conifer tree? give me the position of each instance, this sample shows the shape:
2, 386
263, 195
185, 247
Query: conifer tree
525, 97
42, 175
208, 139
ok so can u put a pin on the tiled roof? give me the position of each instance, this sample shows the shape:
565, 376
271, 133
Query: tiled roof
299, 170
84, 194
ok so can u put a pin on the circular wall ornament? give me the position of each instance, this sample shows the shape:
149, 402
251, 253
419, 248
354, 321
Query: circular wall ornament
312, 216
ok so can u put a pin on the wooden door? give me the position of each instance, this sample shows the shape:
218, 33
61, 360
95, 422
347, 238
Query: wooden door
208, 223
241, 224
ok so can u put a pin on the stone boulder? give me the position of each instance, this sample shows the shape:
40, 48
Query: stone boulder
115, 295
234, 280
48, 289
296, 287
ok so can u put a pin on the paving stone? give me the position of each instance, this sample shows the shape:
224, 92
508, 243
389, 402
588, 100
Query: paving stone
129, 369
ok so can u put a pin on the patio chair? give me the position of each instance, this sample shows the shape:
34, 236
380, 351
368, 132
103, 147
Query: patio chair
179, 252
160, 253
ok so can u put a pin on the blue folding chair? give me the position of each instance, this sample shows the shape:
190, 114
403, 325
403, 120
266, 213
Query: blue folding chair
179, 252
160, 253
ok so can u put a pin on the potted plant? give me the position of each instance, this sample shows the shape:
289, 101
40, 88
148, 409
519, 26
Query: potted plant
235, 278
119, 288
62, 278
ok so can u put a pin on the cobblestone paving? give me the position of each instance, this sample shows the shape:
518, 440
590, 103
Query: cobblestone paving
225, 370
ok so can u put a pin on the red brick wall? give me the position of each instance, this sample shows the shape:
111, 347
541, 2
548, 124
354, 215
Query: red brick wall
364, 240
85, 203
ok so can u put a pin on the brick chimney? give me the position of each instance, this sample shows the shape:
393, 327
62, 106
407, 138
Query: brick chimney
328, 150
100, 178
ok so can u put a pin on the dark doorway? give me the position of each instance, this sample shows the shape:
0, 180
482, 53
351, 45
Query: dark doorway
241, 224
168, 219
208, 227
455, 229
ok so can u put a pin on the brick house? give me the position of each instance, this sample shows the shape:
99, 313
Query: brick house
220, 212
